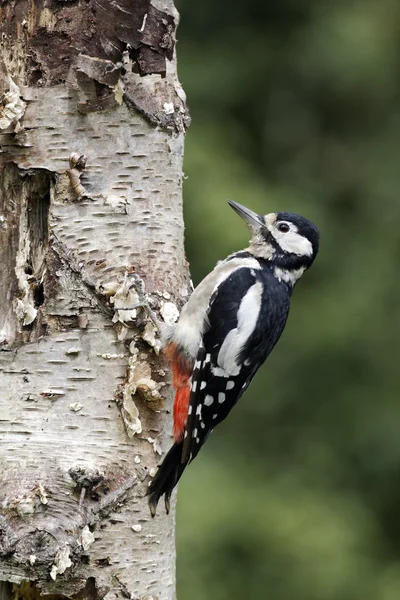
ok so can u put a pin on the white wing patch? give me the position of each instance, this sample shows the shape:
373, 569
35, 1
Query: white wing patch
237, 338
192, 322
218, 372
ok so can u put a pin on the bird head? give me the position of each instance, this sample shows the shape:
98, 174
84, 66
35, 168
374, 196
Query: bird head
288, 240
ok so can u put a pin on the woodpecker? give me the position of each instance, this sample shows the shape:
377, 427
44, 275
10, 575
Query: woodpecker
227, 329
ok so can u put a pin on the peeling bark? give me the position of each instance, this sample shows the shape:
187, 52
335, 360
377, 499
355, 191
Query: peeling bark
90, 225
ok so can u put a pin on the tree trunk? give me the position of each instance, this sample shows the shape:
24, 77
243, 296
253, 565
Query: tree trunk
92, 121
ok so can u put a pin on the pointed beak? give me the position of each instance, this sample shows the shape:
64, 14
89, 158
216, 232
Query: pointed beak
248, 215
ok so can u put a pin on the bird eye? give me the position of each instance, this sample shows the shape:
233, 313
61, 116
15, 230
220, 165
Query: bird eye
283, 227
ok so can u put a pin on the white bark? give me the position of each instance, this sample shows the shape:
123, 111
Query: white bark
84, 395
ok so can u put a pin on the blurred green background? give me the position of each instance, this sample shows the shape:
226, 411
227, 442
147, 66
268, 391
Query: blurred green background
296, 106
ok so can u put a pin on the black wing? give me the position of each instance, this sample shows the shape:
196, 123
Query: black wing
247, 315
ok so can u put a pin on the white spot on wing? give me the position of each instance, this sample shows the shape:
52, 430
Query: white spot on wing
230, 384
202, 385
218, 372
194, 386
189, 410
237, 338
208, 358
194, 432
221, 397
208, 400
198, 410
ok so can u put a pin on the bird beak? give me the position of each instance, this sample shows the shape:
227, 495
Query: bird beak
252, 218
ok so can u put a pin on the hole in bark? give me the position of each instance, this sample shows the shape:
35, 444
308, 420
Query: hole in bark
38, 212
38, 205
38, 295
35, 76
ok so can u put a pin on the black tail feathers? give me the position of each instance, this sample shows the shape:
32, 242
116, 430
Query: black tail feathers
166, 478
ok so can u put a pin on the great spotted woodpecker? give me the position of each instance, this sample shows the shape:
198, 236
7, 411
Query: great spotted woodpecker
227, 329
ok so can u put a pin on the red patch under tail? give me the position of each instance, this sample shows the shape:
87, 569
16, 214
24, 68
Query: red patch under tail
181, 371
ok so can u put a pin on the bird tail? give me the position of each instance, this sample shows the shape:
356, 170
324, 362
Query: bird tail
166, 478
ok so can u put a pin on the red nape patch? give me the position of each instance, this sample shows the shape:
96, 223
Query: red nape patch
181, 371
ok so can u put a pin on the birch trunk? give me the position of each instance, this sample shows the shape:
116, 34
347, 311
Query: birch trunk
92, 121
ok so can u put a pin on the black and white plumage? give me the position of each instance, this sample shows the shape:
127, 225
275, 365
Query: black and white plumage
227, 329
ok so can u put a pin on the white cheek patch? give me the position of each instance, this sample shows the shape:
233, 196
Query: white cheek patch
293, 242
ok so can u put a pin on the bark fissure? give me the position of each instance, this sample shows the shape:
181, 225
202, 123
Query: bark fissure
24, 206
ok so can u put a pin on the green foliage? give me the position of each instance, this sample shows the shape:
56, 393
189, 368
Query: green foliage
295, 107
